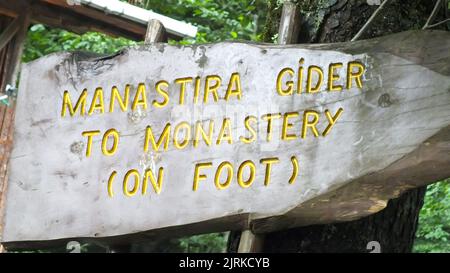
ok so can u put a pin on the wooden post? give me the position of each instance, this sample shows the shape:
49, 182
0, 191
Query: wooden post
287, 34
250, 242
16, 56
14, 47
156, 32
289, 24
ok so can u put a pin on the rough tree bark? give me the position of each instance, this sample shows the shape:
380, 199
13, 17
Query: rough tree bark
394, 227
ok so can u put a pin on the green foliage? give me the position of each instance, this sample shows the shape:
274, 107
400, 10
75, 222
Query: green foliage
270, 31
42, 41
433, 234
217, 20
205, 243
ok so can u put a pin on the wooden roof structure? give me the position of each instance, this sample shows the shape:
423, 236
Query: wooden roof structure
112, 17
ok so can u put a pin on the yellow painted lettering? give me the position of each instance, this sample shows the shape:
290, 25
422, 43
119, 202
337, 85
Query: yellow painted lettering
163, 138
225, 132
287, 125
252, 168
269, 118
332, 77
163, 93
111, 132
126, 180
234, 87
157, 185
89, 135
268, 162
187, 135
224, 165
199, 131
197, 176
351, 74
182, 82
123, 102
80, 105
307, 123
212, 88
252, 131
140, 99
331, 120
289, 85
309, 85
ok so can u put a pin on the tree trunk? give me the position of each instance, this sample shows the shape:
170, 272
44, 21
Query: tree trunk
393, 229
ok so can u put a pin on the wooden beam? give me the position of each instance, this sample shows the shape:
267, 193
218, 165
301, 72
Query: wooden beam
250, 242
12, 8
19, 42
289, 24
156, 32
10, 31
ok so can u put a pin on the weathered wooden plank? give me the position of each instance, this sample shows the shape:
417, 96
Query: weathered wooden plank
18, 44
392, 135
10, 62
11, 66
156, 33
12, 8
6, 134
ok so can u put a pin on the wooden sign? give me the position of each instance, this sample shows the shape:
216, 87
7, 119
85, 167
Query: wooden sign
170, 139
